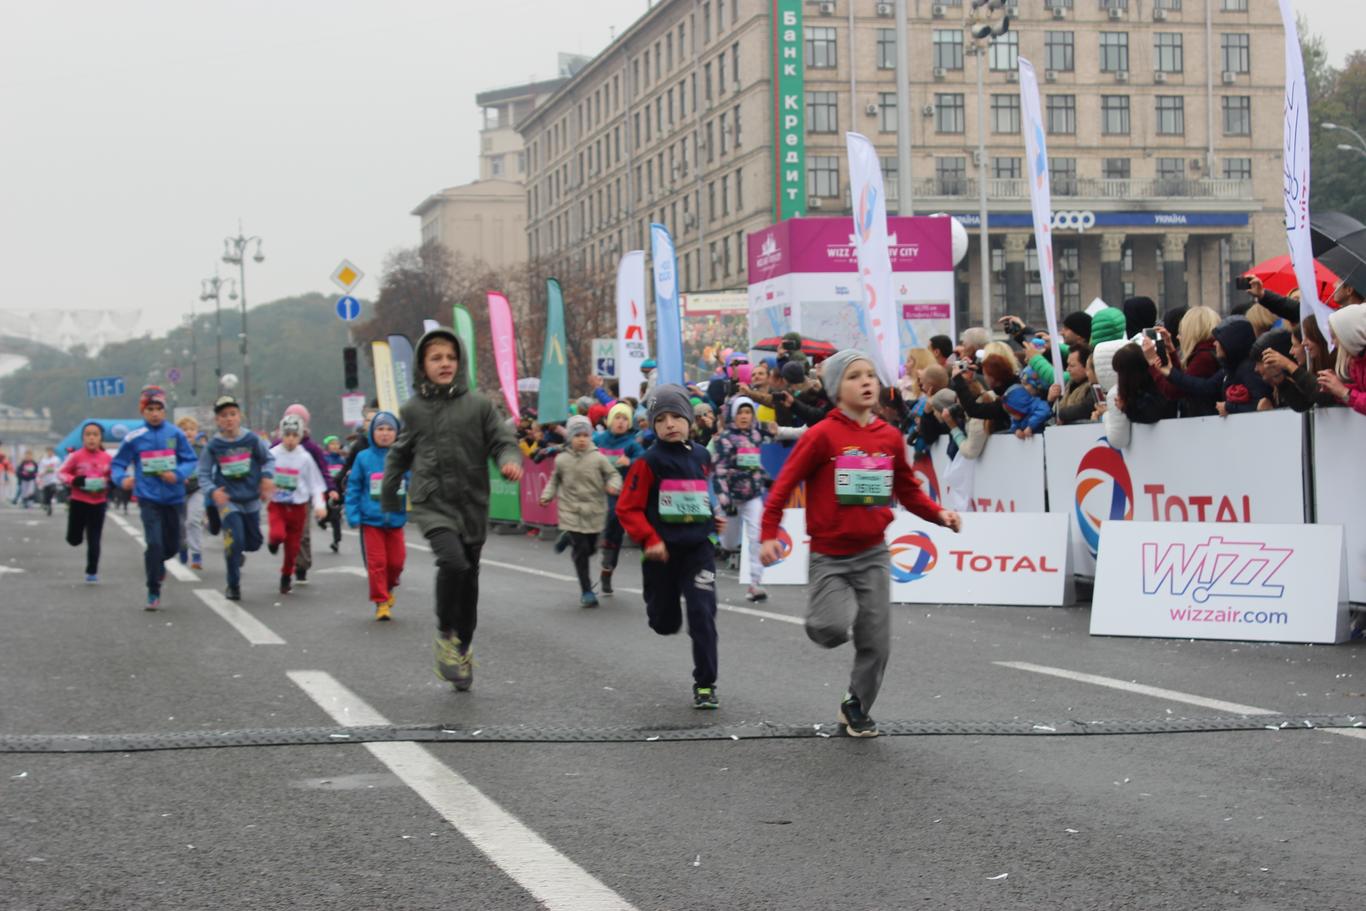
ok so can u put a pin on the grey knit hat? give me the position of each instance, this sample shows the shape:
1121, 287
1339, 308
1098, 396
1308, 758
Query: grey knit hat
576, 425
671, 399
835, 366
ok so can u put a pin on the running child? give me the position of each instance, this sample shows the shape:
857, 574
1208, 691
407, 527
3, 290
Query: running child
235, 475
854, 464
86, 472
336, 464
153, 463
381, 533
192, 510
297, 483
620, 443
26, 473
48, 481
740, 485
667, 506
583, 479
448, 435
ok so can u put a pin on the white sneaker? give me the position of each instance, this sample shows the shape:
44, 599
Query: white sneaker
756, 593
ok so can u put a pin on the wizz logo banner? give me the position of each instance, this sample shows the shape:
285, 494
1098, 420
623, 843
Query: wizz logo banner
1215, 568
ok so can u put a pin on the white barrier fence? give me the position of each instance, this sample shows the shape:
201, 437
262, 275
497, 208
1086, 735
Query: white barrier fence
1339, 440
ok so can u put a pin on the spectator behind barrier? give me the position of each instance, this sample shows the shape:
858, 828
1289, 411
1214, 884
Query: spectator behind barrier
1139, 313
1076, 328
1107, 325
1194, 354
1236, 385
941, 347
1272, 358
1348, 327
1077, 403
1134, 398
1028, 413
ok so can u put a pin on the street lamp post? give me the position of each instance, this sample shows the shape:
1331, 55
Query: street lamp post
1359, 148
235, 253
982, 26
211, 289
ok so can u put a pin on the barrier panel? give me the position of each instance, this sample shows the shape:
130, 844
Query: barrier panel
1242, 468
535, 477
505, 498
1339, 494
1008, 475
793, 567
1202, 580
998, 558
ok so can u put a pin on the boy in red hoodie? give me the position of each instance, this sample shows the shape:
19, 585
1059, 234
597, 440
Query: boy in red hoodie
86, 472
854, 464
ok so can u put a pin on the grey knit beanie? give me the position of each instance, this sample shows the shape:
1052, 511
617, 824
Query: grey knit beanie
670, 399
835, 366
576, 425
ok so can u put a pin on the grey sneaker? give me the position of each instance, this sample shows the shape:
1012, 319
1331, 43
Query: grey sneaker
855, 720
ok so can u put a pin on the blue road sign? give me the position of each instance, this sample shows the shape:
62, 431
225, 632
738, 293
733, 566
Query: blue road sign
105, 387
348, 308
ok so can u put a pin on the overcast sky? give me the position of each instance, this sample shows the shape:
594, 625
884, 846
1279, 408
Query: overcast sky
134, 135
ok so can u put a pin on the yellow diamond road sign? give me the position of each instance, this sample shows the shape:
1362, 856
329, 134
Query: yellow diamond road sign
347, 276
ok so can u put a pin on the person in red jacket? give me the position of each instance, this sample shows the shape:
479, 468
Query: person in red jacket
86, 472
854, 464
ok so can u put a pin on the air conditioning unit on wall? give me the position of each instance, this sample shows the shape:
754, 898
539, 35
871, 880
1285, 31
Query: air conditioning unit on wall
814, 202
1159, 15
870, 109
1159, 77
885, 10
827, 8
1116, 13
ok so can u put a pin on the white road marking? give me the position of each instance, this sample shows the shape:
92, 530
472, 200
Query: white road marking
255, 632
173, 566
11, 569
1159, 693
349, 570
552, 879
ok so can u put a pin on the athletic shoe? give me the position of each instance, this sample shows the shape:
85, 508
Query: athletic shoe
285, 586
756, 593
233, 593
153, 602
607, 583
382, 609
562, 542
588, 599
454, 664
196, 561
856, 721
336, 548
301, 576
183, 557
704, 697
273, 547
91, 578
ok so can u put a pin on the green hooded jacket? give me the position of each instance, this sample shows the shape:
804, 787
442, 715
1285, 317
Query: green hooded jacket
449, 435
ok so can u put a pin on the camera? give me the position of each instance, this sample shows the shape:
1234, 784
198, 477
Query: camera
791, 344
1243, 283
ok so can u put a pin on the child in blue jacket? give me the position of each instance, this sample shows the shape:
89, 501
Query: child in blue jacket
235, 474
381, 533
1028, 414
153, 462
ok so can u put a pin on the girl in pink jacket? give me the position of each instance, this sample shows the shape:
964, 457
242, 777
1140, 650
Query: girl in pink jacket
86, 472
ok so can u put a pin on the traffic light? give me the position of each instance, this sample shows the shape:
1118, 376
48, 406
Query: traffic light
352, 374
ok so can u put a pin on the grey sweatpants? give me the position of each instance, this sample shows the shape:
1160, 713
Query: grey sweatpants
854, 591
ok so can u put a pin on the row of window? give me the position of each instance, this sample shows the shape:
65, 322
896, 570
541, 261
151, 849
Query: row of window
951, 173
950, 113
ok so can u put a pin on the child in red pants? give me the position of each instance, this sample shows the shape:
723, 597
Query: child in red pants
297, 483
381, 533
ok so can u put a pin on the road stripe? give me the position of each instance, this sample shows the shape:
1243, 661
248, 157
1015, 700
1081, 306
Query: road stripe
255, 632
552, 879
173, 566
1159, 693
346, 570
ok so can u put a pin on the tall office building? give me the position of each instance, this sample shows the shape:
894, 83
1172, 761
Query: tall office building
717, 117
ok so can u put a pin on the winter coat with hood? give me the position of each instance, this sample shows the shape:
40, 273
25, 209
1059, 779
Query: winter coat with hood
449, 433
1026, 410
1349, 325
362, 500
1236, 383
1201, 363
735, 458
582, 481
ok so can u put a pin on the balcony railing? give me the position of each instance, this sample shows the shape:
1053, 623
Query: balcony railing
1092, 188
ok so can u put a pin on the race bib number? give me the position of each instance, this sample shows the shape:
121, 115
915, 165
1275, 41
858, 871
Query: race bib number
613, 454
158, 461
334, 471
863, 480
748, 459
94, 485
377, 482
682, 502
237, 465
287, 479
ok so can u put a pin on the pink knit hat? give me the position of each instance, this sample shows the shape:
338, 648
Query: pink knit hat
301, 411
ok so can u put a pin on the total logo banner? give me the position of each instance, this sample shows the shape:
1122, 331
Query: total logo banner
792, 569
1206, 580
998, 558
1192, 470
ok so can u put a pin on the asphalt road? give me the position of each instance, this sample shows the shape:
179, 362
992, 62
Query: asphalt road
1248, 820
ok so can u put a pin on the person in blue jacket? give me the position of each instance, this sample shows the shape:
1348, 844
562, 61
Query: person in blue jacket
153, 462
620, 444
381, 533
1028, 414
236, 474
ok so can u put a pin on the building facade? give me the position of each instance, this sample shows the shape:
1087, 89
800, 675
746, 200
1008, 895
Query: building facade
1163, 120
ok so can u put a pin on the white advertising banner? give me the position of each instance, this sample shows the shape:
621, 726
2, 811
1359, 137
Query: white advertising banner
1339, 495
1007, 477
795, 563
1242, 468
632, 345
997, 558
877, 317
353, 408
1200, 580
1040, 197
605, 357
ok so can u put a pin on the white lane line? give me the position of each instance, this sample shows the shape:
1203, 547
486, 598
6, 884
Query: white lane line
255, 632
348, 570
552, 879
1159, 693
173, 566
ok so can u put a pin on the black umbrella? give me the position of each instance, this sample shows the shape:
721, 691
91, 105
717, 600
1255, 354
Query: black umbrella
1328, 228
1348, 260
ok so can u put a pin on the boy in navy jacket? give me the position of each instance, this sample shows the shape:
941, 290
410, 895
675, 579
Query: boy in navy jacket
236, 473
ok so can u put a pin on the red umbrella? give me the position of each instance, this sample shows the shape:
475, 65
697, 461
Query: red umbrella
1277, 274
813, 348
